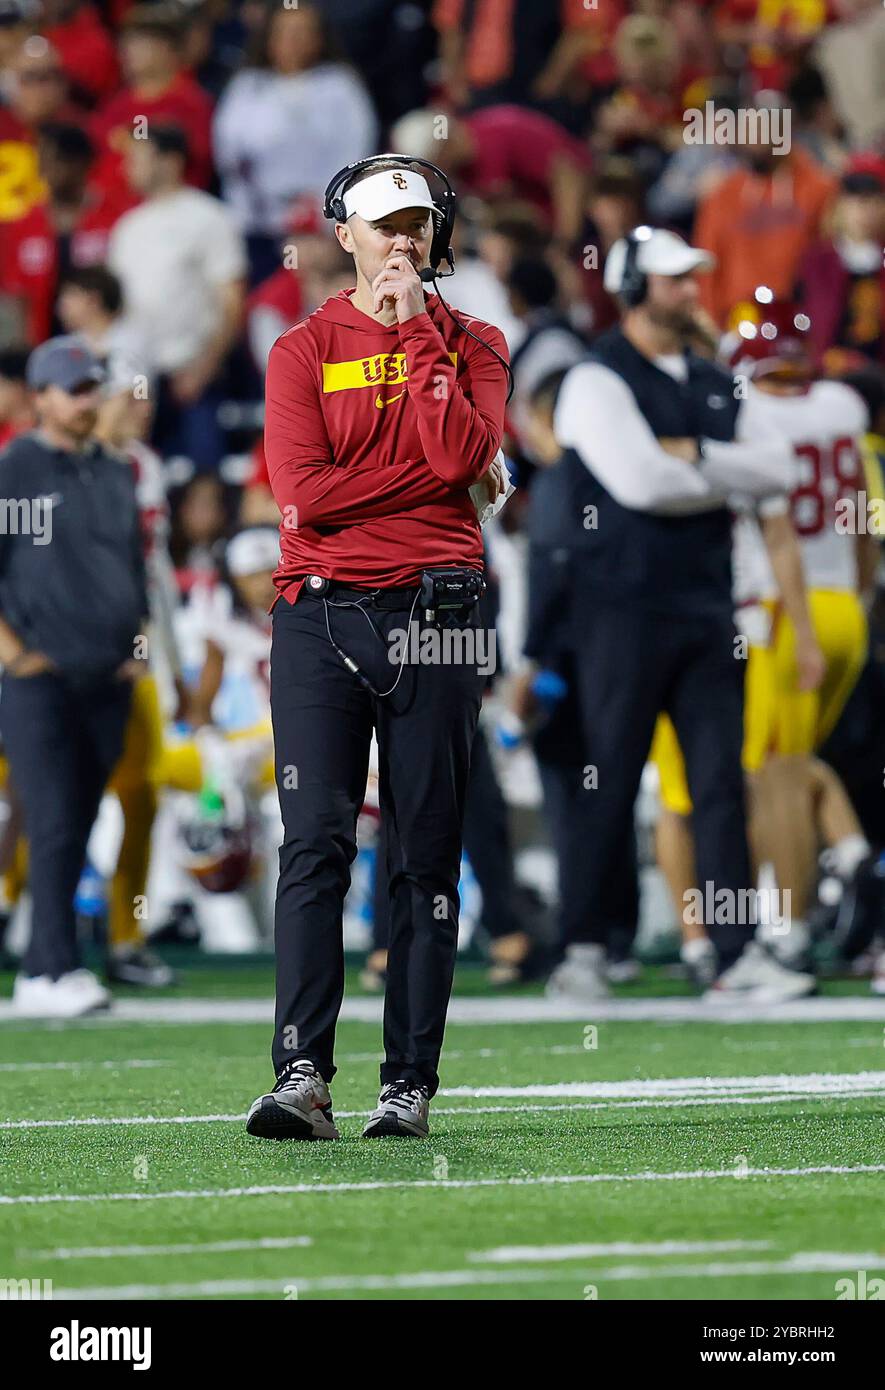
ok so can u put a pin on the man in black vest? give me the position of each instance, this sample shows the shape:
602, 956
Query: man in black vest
665, 440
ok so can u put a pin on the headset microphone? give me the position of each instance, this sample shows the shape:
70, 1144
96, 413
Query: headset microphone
444, 205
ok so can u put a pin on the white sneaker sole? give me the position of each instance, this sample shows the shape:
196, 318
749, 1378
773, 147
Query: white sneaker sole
390, 1124
555, 990
81, 1011
798, 988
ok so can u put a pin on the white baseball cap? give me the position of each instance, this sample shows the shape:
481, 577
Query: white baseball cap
659, 253
252, 551
387, 191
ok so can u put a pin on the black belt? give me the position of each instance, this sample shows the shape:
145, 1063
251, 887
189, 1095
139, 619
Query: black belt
377, 598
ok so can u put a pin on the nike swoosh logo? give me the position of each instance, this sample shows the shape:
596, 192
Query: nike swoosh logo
380, 402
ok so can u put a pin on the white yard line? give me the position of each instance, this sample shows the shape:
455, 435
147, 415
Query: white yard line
812, 1263
665, 1093
812, 1083
127, 1064
212, 1247
674, 1103
220, 1288
508, 1009
552, 1254
548, 1180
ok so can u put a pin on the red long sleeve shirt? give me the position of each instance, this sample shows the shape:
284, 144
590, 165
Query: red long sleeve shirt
373, 436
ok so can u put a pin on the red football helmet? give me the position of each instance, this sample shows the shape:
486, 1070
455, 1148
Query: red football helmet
769, 337
216, 842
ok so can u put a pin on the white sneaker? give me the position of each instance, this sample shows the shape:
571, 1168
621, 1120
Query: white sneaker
581, 976
698, 955
402, 1112
757, 978
70, 996
877, 983
298, 1107
790, 948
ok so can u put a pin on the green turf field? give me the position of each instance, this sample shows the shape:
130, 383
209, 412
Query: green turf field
648, 1159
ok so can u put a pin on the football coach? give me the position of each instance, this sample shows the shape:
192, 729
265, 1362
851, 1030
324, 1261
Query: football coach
657, 440
383, 409
72, 602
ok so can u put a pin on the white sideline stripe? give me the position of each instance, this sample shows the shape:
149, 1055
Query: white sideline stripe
832, 1009
526, 1254
670, 1102
212, 1247
547, 1180
128, 1064
676, 1103
422, 1279
804, 1082
822, 1263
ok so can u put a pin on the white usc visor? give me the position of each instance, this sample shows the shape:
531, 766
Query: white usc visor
252, 551
387, 191
659, 253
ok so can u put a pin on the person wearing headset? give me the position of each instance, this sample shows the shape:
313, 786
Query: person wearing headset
384, 409
666, 441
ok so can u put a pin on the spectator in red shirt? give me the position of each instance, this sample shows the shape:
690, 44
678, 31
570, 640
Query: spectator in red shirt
842, 277
35, 90
257, 504
67, 229
505, 151
16, 409
85, 48
157, 91
773, 34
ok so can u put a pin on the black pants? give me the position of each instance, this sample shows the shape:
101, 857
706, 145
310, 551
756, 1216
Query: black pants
565, 802
62, 741
323, 719
630, 666
488, 844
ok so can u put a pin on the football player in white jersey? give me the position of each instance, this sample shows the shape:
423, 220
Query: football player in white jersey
824, 420
803, 667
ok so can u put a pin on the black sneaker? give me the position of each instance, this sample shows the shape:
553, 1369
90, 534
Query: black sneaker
298, 1107
138, 966
402, 1112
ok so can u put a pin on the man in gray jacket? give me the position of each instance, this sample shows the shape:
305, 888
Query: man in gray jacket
72, 603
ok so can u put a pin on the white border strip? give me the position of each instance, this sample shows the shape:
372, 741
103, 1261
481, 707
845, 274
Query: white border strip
824, 1262
507, 1009
308, 1189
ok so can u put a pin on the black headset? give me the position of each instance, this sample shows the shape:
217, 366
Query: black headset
444, 200
445, 204
634, 282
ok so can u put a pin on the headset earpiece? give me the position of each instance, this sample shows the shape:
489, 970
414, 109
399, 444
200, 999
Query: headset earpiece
445, 202
634, 282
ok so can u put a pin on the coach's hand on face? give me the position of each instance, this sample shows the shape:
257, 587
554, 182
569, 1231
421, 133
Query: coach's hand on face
399, 284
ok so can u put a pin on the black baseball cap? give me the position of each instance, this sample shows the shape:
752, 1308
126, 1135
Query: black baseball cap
66, 362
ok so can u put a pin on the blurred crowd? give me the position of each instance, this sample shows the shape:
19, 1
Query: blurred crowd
162, 168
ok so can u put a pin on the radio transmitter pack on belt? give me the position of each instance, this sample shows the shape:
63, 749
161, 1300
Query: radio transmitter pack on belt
445, 592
